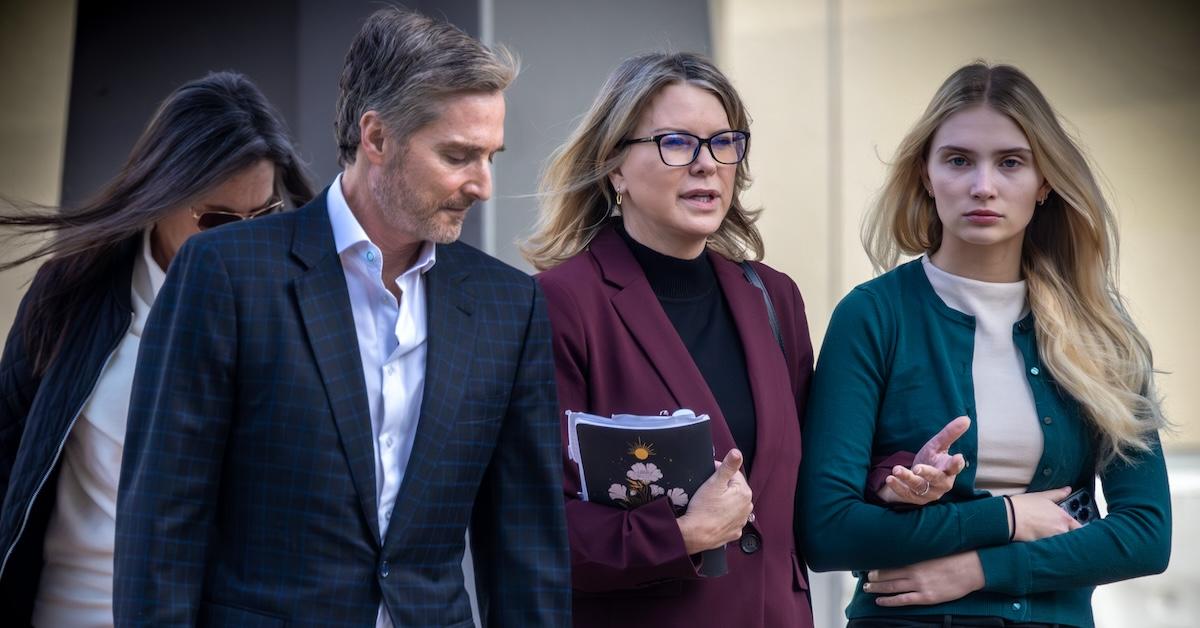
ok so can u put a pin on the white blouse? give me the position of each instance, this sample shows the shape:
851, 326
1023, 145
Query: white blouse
76, 588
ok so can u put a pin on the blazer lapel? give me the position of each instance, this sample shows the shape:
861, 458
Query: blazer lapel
642, 314
324, 304
764, 361
451, 342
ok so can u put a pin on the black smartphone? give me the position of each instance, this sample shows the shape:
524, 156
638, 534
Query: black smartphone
1081, 506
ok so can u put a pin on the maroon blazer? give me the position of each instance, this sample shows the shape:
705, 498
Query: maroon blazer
616, 351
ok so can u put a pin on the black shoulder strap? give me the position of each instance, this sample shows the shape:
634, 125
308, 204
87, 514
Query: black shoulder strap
753, 278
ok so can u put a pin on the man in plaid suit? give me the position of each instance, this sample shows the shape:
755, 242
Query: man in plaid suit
326, 399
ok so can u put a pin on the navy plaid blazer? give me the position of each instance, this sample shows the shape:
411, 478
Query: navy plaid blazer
247, 492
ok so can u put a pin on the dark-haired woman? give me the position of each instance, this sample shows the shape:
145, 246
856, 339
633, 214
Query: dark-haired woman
214, 152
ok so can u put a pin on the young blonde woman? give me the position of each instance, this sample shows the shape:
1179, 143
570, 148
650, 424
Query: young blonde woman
1012, 318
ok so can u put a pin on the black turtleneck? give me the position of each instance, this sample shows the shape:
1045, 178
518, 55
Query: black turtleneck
689, 293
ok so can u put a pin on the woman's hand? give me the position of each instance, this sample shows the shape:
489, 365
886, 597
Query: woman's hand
930, 582
934, 469
1038, 515
720, 508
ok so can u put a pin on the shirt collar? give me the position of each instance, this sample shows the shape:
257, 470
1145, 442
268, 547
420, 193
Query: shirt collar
348, 233
425, 260
346, 230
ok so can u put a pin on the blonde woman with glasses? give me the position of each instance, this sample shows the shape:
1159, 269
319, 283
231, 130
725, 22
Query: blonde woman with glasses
1011, 317
645, 242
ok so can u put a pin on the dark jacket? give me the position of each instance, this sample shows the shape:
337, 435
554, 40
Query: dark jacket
248, 491
616, 352
38, 412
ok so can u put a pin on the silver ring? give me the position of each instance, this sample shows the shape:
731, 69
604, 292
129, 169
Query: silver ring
927, 487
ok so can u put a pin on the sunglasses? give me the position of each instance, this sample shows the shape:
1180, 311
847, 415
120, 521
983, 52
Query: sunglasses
216, 217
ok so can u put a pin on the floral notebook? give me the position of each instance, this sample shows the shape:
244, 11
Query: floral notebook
631, 460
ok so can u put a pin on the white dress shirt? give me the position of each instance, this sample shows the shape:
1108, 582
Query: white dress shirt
1010, 436
76, 586
391, 342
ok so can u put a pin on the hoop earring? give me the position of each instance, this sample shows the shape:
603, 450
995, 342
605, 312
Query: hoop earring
618, 198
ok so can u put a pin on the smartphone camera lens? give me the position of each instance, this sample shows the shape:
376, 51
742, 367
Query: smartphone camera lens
1085, 499
1073, 505
1084, 515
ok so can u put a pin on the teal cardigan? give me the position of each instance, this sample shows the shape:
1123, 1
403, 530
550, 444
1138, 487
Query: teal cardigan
895, 367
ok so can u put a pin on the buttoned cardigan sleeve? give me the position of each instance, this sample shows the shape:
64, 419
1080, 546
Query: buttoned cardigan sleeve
841, 530
1133, 540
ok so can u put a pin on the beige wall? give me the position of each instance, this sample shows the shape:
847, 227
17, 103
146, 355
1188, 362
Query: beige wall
36, 40
833, 86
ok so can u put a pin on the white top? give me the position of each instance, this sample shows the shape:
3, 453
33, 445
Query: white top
1010, 437
391, 341
76, 587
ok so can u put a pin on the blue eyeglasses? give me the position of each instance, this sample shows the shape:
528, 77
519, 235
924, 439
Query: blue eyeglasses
681, 149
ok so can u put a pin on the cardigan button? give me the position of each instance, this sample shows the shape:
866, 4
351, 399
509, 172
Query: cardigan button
1047, 471
750, 542
1047, 420
1034, 370
1016, 606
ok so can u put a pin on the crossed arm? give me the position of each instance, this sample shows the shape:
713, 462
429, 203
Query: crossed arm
1052, 551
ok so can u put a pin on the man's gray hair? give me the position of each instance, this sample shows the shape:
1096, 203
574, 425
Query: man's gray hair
402, 65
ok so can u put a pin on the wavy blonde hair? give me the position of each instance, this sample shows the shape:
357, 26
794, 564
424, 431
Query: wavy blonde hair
1068, 258
577, 197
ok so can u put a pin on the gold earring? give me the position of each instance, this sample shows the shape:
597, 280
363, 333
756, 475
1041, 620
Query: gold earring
618, 198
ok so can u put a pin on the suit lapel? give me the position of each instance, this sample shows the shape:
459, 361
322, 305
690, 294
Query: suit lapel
767, 369
324, 305
642, 314
451, 334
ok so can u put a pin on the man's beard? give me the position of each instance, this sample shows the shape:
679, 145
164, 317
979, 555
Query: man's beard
401, 207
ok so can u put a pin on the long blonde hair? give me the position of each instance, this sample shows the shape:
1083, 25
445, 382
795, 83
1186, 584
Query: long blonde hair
577, 197
1068, 258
